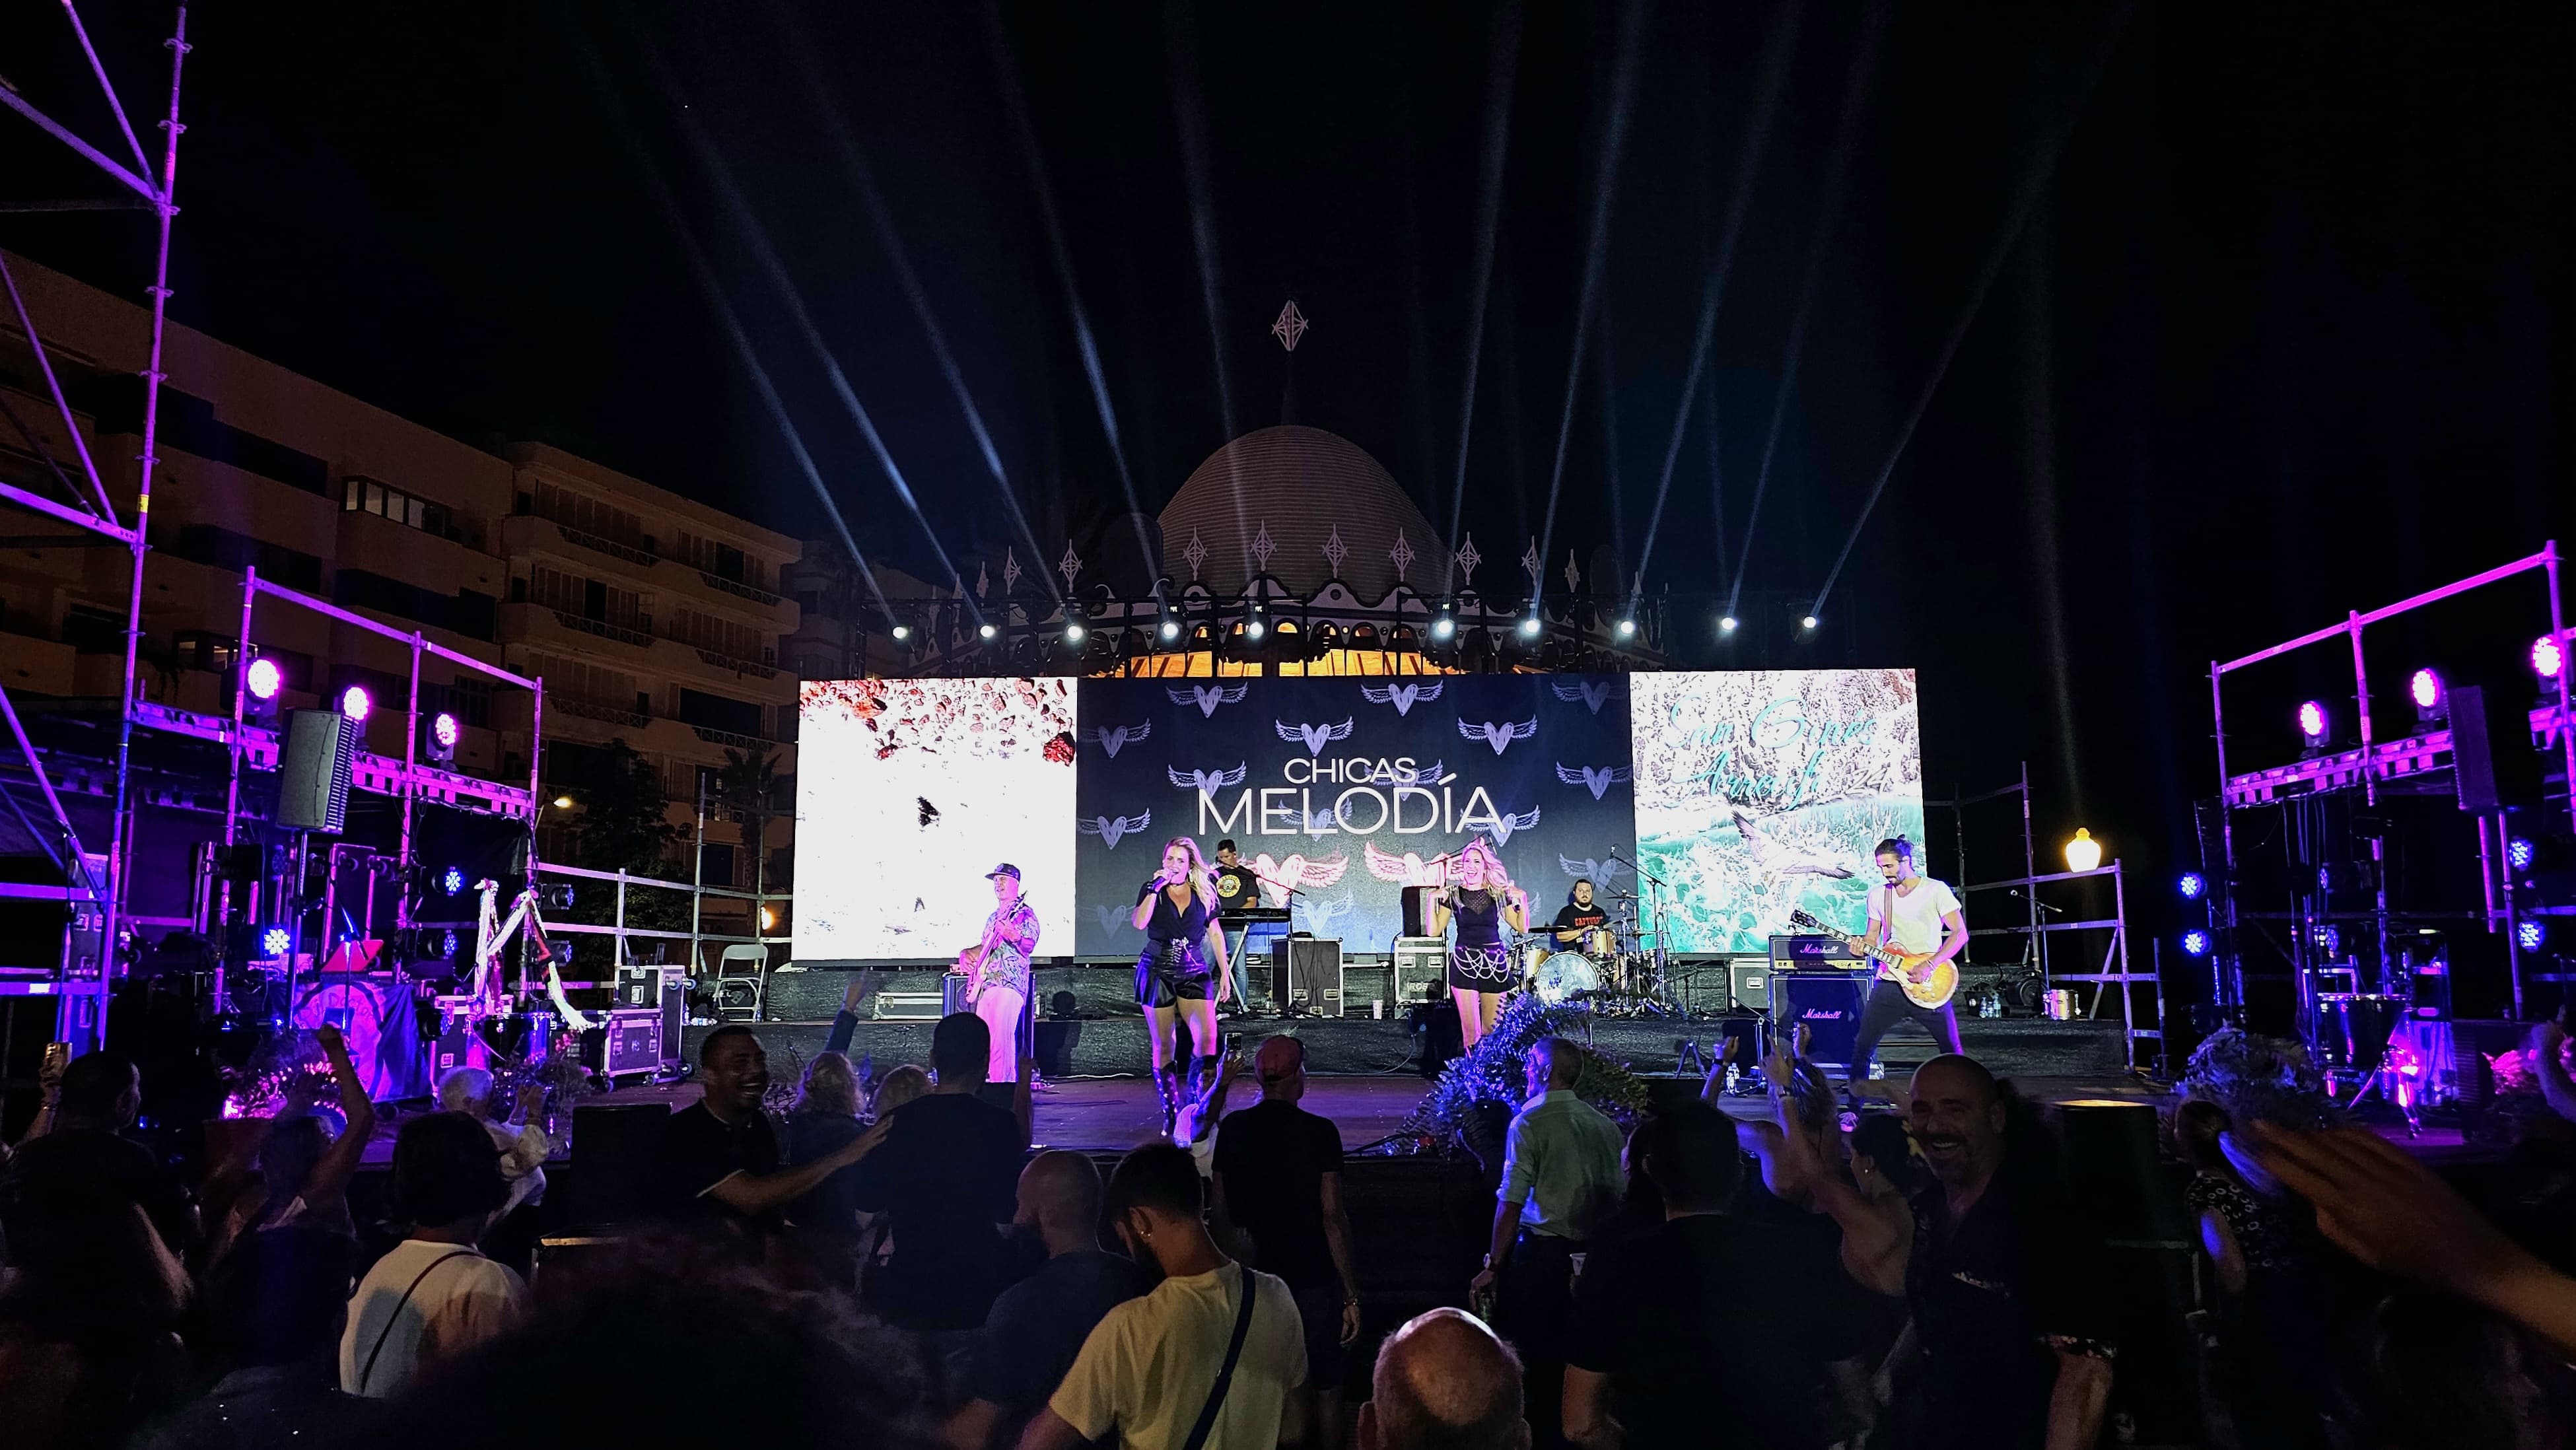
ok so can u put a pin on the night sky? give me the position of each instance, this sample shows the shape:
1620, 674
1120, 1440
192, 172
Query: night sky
2261, 313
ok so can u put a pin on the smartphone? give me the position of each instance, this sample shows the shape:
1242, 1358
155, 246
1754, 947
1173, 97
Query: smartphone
58, 1055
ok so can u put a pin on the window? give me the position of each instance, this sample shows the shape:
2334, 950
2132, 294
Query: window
734, 641
469, 699
200, 649
221, 548
580, 511
588, 598
97, 632
465, 612
589, 683
715, 712
715, 865
366, 496
723, 561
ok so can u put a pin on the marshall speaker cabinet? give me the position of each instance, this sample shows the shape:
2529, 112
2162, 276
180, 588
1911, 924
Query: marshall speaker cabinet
1828, 1003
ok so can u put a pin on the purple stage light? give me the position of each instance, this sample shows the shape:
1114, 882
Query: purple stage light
2548, 657
2529, 934
2192, 885
355, 702
2426, 688
274, 941
2195, 943
2519, 853
264, 679
442, 728
2312, 722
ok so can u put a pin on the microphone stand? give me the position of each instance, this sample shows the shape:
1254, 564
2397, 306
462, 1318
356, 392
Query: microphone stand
1659, 998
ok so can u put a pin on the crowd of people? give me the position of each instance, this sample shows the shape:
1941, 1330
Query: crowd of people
892, 1261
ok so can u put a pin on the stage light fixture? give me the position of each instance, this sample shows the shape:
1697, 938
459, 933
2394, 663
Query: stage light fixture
442, 728
1073, 634
452, 881
355, 702
2548, 657
2519, 853
275, 941
2425, 688
1726, 624
1171, 629
438, 739
563, 802
2313, 723
2083, 853
1253, 629
1529, 627
1627, 627
2191, 886
2529, 934
1443, 627
264, 679
2195, 943
902, 632
985, 631
1807, 622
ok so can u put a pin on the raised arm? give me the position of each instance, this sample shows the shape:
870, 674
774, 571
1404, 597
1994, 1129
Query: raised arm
331, 1173
1145, 902
747, 1194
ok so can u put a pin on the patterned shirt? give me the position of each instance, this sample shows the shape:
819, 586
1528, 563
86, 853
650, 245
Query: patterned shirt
1007, 965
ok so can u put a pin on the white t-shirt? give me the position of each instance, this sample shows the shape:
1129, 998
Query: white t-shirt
1914, 917
1147, 1368
462, 1302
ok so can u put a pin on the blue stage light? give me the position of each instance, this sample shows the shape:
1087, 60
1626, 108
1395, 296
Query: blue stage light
452, 881
2519, 853
275, 941
2195, 943
2529, 934
2191, 886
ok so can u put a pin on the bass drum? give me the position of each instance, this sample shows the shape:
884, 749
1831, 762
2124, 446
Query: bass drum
1565, 977
377, 1017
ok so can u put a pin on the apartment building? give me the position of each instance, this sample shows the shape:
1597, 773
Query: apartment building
652, 619
841, 632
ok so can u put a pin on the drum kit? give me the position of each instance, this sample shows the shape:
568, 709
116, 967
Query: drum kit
1607, 966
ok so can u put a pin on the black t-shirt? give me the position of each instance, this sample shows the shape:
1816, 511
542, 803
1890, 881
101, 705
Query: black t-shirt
1714, 1331
1235, 891
1185, 924
831, 1204
1273, 1157
1574, 918
701, 1150
1994, 1299
1038, 1325
946, 1175
100, 1165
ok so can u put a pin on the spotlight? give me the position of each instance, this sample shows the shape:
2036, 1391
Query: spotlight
1171, 629
2313, 723
1627, 627
902, 632
2548, 657
1073, 634
1807, 622
1726, 624
985, 631
439, 738
355, 702
452, 881
2195, 943
1443, 627
275, 941
1253, 629
2083, 853
264, 679
2328, 939
2529, 934
2191, 886
563, 802
2426, 689
2519, 853
1529, 627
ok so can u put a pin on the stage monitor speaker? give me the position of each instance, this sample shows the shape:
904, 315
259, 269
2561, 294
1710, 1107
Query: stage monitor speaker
313, 776
615, 1151
1828, 1003
1306, 972
1748, 984
1421, 969
2492, 763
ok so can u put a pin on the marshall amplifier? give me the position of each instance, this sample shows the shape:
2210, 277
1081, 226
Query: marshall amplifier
1827, 1003
1811, 951
1306, 972
1421, 969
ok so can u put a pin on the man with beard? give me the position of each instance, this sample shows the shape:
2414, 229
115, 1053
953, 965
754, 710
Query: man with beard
2011, 1356
719, 1157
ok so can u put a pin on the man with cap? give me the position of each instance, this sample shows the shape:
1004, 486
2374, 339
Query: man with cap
997, 970
1279, 1181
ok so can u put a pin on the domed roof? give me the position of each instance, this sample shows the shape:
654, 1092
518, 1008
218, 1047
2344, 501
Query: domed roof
1303, 485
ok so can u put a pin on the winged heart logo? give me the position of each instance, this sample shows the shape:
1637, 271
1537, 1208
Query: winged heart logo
1593, 694
1599, 873
1205, 781
1113, 919
1425, 775
1408, 869
1298, 871
1314, 737
1402, 697
1113, 738
1595, 780
1322, 916
1498, 734
1502, 824
1111, 828
1320, 824
1208, 697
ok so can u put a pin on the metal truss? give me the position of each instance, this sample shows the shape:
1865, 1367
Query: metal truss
83, 991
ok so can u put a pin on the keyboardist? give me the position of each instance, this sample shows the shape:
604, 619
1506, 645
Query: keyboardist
1240, 909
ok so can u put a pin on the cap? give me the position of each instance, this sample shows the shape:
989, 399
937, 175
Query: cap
1005, 869
1279, 1056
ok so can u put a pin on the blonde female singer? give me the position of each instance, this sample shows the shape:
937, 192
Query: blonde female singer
1182, 969
1482, 901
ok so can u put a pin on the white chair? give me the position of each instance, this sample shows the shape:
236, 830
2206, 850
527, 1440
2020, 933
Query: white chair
741, 973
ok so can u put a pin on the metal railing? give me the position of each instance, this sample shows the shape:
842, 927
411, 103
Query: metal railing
754, 593
603, 629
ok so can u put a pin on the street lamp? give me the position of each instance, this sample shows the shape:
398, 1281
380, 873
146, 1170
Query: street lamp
2083, 853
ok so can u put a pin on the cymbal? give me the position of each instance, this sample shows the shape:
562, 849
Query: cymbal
1623, 896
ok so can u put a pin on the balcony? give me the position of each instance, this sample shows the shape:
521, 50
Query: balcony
743, 591
521, 535
738, 666
605, 714
713, 736
610, 547
602, 628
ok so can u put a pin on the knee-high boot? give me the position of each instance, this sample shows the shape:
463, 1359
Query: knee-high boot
1167, 1086
1204, 1072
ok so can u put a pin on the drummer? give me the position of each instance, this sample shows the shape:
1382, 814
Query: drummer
1579, 915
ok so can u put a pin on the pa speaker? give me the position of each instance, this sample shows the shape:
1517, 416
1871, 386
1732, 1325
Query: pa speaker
313, 776
2492, 762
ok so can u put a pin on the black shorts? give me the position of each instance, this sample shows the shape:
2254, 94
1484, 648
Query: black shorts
1173, 975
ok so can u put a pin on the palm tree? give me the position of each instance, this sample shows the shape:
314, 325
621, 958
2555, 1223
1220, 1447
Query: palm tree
747, 790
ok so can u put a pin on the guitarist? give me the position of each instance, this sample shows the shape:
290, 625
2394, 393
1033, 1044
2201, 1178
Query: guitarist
998, 971
1915, 914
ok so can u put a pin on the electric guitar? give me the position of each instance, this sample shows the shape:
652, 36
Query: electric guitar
1929, 989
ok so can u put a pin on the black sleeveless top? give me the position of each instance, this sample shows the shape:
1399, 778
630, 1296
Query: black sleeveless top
1172, 923
1479, 915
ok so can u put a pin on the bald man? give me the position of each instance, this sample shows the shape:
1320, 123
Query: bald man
2013, 1358
1037, 1325
1444, 1381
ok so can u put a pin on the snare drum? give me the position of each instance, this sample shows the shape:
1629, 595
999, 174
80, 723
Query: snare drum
1599, 943
1563, 976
